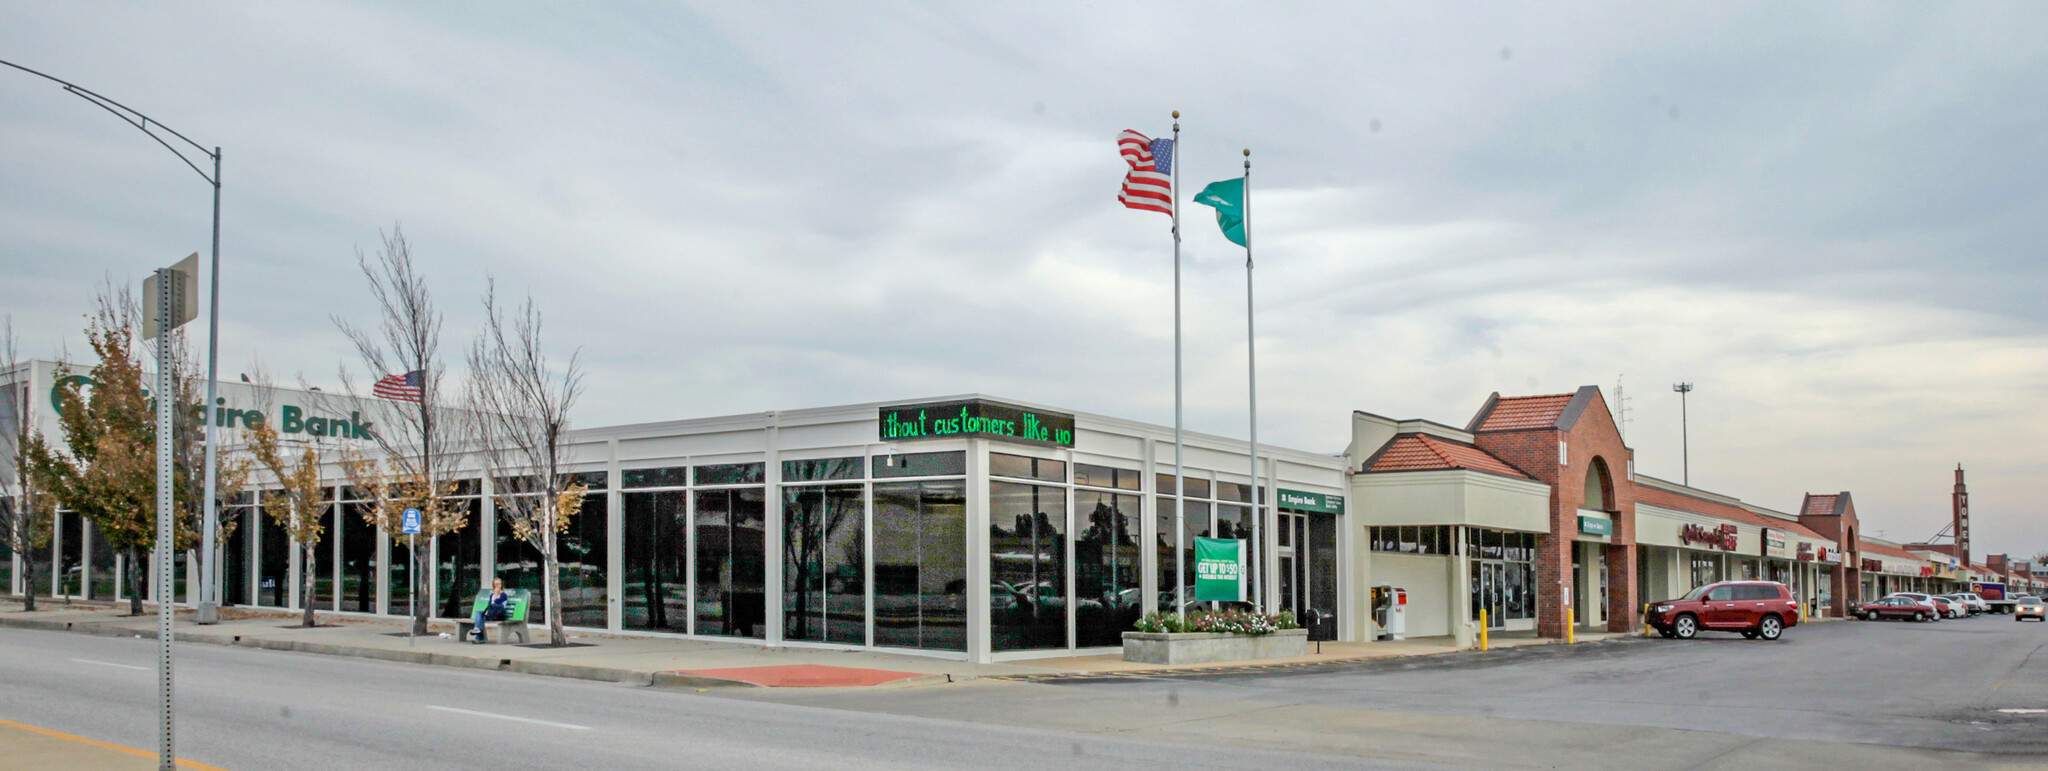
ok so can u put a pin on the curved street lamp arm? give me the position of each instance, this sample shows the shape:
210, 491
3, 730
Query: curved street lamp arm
138, 120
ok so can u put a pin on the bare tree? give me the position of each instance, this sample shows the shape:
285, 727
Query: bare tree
26, 508
415, 463
521, 403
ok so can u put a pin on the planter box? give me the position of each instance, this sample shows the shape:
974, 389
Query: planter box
1206, 648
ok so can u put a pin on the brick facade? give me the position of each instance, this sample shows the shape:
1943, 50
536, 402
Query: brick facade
1586, 430
1834, 515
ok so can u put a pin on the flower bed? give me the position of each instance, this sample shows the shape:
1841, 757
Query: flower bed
1211, 636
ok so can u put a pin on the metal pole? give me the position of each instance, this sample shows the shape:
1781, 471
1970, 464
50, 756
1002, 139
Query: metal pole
1251, 341
165, 279
209, 564
412, 594
1684, 432
1180, 591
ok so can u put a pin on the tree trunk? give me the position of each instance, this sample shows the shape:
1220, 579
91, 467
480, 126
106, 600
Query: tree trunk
136, 586
309, 560
28, 585
551, 569
421, 607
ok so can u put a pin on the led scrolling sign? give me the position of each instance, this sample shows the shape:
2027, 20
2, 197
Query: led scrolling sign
976, 418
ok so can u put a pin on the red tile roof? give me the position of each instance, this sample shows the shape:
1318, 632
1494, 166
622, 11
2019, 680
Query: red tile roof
1823, 505
1516, 413
1682, 502
1890, 551
1422, 452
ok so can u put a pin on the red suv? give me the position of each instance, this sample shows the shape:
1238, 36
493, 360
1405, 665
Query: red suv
1755, 608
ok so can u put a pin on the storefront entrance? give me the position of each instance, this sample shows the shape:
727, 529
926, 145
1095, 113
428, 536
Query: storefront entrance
1308, 562
1492, 593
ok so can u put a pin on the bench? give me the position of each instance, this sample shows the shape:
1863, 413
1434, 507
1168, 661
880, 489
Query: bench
515, 617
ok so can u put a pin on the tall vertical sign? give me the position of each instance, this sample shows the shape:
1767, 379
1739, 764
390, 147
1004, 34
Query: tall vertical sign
1962, 516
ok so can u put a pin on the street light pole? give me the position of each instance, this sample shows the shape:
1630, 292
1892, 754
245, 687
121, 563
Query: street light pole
209, 583
1684, 431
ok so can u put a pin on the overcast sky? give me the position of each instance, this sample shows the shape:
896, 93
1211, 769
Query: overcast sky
1829, 218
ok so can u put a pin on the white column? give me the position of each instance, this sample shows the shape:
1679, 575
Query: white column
978, 636
382, 574
1464, 628
615, 545
772, 542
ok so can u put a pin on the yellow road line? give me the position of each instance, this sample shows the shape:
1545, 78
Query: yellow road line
182, 763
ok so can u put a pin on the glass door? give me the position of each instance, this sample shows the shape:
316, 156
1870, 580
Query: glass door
1490, 592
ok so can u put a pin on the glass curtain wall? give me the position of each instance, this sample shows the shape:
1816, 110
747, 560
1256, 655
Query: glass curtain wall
730, 533
71, 569
235, 552
6, 554
1196, 520
584, 553
824, 565
100, 585
1108, 575
273, 559
920, 555
323, 569
358, 539
656, 528
1028, 598
458, 555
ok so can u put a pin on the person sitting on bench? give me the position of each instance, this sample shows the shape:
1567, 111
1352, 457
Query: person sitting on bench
497, 610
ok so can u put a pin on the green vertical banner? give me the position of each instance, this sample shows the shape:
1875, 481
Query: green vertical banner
1219, 570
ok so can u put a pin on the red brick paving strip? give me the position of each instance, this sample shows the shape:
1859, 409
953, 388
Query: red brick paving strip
803, 675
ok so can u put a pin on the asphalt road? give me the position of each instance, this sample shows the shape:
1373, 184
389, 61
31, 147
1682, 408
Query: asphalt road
253, 709
1934, 685
1847, 694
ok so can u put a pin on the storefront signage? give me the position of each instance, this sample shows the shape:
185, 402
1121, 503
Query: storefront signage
1927, 571
1830, 556
1713, 538
1219, 570
976, 418
1595, 525
291, 418
1300, 501
1805, 551
1873, 566
1774, 543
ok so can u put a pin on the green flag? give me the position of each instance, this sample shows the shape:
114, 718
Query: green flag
1228, 198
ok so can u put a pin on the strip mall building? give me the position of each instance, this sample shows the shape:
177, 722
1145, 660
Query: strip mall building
987, 529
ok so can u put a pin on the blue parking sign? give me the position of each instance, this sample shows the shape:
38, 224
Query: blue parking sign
411, 525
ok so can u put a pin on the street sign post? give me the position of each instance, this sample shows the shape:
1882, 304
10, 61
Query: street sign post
170, 304
410, 525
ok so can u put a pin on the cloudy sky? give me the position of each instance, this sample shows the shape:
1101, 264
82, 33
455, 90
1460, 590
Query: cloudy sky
1829, 218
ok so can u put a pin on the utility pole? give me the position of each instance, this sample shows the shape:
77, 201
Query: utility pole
1684, 431
1621, 409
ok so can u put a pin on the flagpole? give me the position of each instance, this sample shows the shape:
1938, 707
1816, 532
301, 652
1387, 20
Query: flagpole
1251, 345
1180, 591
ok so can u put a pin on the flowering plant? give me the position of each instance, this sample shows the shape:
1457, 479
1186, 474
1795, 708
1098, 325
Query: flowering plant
1218, 622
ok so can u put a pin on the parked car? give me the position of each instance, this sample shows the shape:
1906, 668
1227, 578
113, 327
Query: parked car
1754, 608
1896, 606
1976, 604
2030, 607
1949, 607
1925, 599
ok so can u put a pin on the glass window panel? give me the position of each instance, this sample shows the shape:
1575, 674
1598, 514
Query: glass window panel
655, 529
1027, 567
1025, 467
920, 560
592, 480
100, 586
731, 576
1238, 492
1197, 524
821, 469
1409, 535
1236, 522
921, 464
732, 474
1197, 487
824, 549
358, 560
669, 476
1166, 548
1108, 584
273, 557
583, 555
1105, 476
1322, 565
71, 540
398, 574
458, 561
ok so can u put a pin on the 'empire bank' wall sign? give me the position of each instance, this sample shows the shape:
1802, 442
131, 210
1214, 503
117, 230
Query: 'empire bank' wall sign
976, 418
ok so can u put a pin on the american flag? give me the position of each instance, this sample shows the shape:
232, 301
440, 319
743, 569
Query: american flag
1149, 185
404, 388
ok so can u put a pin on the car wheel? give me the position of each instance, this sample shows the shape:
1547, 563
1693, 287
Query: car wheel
1919, 616
1868, 616
1686, 627
1770, 628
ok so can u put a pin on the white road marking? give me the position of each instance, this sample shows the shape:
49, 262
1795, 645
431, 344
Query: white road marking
112, 664
2024, 711
510, 717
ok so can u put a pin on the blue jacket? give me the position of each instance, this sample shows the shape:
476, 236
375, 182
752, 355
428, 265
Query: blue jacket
500, 605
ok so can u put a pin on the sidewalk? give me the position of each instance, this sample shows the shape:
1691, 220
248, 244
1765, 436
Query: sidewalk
40, 748
649, 661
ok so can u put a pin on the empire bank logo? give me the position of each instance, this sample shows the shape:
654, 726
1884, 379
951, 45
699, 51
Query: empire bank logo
292, 419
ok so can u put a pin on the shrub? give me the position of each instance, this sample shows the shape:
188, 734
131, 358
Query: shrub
1217, 621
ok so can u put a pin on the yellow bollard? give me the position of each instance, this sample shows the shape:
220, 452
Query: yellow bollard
1571, 626
1484, 643
1647, 631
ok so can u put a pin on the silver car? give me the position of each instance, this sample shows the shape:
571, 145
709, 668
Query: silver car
2027, 607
